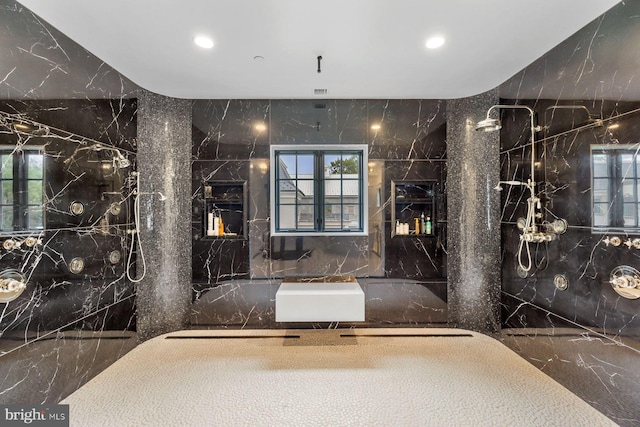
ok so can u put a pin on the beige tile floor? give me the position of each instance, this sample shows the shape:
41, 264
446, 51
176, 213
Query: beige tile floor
366, 377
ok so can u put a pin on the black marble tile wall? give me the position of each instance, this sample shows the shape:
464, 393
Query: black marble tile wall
389, 303
231, 142
586, 97
87, 211
76, 314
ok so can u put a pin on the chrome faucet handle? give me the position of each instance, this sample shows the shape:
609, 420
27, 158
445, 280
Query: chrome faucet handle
628, 243
606, 241
636, 243
615, 241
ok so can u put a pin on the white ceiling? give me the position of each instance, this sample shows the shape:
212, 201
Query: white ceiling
370, 48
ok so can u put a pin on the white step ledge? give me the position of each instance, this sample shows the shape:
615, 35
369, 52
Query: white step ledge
319, 302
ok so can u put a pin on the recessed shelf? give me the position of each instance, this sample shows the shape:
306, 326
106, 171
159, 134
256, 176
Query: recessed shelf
410, 201
226, 200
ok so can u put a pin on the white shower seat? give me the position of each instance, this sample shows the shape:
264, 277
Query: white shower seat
319, 301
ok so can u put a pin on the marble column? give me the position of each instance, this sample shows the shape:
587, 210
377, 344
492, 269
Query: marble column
473, 164
164, 163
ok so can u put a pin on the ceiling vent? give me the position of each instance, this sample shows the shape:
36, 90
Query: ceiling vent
319, 105
320, 91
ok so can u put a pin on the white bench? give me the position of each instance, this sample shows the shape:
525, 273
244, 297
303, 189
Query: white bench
330, 301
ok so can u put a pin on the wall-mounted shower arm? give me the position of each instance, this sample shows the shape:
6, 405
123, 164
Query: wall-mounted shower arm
13, 122
490, 124
591, 120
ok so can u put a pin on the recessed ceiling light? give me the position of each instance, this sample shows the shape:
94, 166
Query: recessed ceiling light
613, 126
376, 126
203, 41
435, 42
260, 127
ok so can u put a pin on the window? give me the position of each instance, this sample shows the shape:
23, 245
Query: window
319, 190
615, 172
21, 178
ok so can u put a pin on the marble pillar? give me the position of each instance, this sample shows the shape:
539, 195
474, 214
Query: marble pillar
473, 161
164, 164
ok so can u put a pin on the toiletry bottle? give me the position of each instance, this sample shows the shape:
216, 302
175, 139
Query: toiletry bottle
397, 227
428, 225
417, 225
216, 225
210, 225
423, 226
221, 225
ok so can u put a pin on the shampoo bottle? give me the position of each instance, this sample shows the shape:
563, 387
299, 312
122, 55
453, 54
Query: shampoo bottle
423, 225
428, 229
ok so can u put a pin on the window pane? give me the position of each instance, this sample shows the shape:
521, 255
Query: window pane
35, 163
287, 166
332, 190
306, 216
351, 190
630, 214
351, 217
350, 165
600, 165
287, 216
35, 217
627, 164
305, 165
628, 190
305, 189
332, 165
287, 191
7, 166
7, 192
7, 217
600, 215
346, 164
34, 193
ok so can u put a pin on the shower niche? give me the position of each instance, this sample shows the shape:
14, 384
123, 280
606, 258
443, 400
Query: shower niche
413, 208
224, 214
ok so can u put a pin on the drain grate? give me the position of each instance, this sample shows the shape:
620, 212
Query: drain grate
230, 337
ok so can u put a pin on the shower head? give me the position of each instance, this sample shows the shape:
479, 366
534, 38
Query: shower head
120, 162
489, 125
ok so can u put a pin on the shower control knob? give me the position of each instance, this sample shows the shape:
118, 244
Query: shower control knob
628, 243
615, 241
636, 243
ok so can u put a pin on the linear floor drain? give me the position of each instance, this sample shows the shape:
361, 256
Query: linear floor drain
230, 337
405, 335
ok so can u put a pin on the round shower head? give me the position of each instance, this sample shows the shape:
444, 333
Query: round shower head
488, 125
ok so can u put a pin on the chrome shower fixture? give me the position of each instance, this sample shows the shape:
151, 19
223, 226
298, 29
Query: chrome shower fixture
119, 160
591, 120
531, 231
499, 186
12, 284
489, 124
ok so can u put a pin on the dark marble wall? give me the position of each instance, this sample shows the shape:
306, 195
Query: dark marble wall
228, 146
66, 326
585, 93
